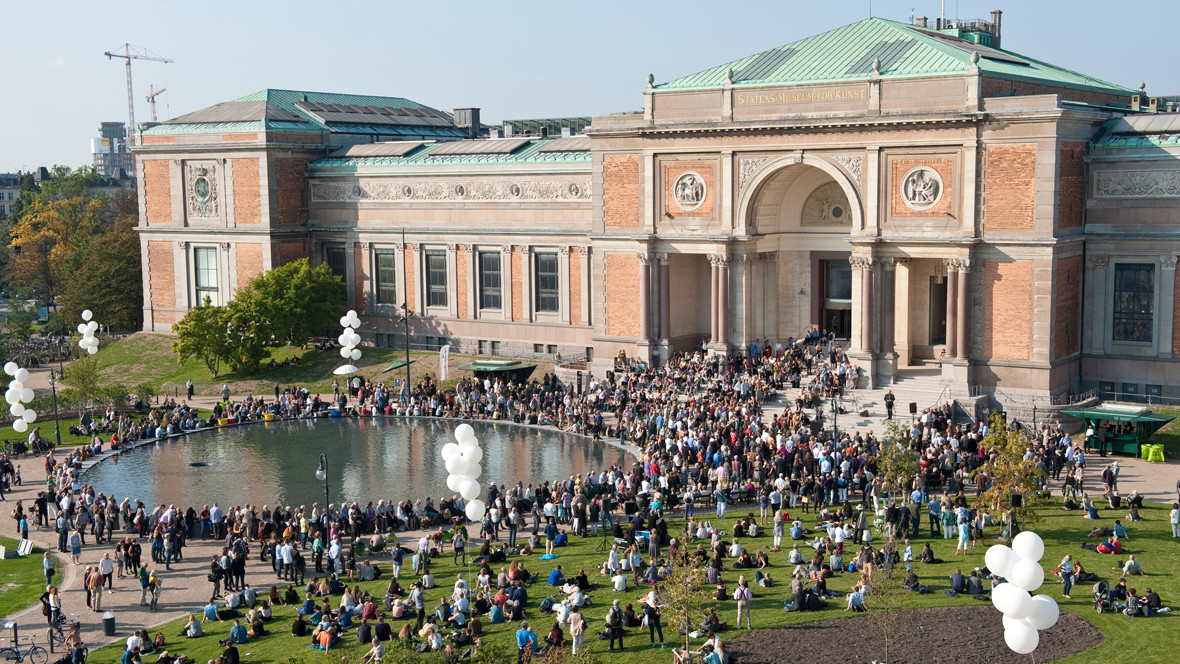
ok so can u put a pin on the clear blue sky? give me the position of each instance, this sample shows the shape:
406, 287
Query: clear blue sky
513, 59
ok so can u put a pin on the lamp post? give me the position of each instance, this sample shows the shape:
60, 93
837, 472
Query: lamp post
406, 320
56, 423
321, 474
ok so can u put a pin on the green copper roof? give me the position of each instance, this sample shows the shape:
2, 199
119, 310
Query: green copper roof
904, 51
225, 127
532, 152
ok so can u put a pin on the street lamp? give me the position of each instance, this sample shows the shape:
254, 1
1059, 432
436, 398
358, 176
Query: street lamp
406, 320
56, 422
321, 474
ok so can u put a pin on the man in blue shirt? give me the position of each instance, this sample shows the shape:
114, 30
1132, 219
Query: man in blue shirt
237, 633
556, 577
525, 638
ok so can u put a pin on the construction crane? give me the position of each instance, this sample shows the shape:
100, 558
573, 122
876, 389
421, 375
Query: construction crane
137, 54
151, 99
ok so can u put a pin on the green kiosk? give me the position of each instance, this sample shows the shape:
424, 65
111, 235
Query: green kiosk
1126, 429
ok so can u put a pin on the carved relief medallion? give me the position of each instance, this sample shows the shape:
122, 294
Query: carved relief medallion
689, 190
921, 188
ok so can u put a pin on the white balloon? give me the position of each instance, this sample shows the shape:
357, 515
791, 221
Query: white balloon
343, 339
1028, 545
92, 326
81, 328
344, 321
356, 354
21, 426
87, 314
464, 430
1012, 601
15, 384
455, 465
999, 559
356, 339
450, 450
473, 471
26, 395
10, 368
16, 410
1021, 638
1045, 612
469, 489
1026, 574
29, 415
472, 454
22, 375
454, 482
345, 352
475, 510
92, 350
351, 315
12, 396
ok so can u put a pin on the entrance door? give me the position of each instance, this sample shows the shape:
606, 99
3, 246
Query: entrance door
838, 321
937, 310
838, 298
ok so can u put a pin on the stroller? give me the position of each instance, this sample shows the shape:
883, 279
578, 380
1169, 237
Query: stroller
1102, 597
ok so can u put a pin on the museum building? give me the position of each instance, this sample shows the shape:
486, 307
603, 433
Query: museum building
930, 198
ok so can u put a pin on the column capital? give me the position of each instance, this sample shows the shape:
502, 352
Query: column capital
583, 249
963, 264
1169, 263
469, 248
1099, 261
524, 250
564, 250
365, 245
768, 255
902, 260
888, 262
506, 249
861, 262
662, 257
181, 244
720, 260
317, 245
644, 259
452, 247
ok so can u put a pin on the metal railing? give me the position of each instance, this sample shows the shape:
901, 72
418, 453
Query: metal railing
1067, 398
1144, 399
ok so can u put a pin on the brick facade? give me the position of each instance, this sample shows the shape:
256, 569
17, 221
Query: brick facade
408, 271
239, 137
1067, 322
248, 256
622, 295
1071, 184
162, 275
247, 199
575, 281
1007, 310
621, 195
292, 251
1003, 87
673, 171
515, 265
157, 191
290, 176
461, 281
1011, 187
945, 169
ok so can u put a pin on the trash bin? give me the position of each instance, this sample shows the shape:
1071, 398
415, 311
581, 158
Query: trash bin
108, 623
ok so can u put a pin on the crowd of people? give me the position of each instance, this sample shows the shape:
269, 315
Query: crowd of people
705, 445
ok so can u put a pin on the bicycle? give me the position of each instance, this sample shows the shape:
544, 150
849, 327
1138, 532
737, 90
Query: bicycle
55, 636
33, 653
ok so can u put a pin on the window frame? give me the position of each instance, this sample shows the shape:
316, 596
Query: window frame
331, 249
199, 267
1131, 294
541, 291
435, 293
488, 293
382, 287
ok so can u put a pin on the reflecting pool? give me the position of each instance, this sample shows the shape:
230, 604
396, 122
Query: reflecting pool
368, 459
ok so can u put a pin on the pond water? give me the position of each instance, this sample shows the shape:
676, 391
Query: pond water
368, 459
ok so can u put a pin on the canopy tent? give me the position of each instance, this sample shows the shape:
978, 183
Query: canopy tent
512, 369
1135, 425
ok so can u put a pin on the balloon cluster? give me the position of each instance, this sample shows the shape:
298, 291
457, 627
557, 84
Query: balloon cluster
1024, 614
87, 328
17, 396
462, 461
349, 339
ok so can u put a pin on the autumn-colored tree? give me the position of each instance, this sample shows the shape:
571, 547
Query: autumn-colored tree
1009, 472
108, 279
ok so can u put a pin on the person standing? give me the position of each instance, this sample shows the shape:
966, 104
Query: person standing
652, 615
1067, 575
743, 595
889, 399
48, 568
188, 387
614, 625
106, 567
578, 628
94, 586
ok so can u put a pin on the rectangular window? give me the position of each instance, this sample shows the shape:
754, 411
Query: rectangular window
1134, 302
589, 353
436, 278
538, 349
495, 348
205, 271
336, 259
489, 280
546, 283
551, 349
386, 267
482, 346
838, 280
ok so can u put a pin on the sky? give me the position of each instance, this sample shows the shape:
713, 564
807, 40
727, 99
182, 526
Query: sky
511, 58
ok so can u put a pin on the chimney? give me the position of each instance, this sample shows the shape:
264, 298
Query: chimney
996, 28
468, 118
921, 21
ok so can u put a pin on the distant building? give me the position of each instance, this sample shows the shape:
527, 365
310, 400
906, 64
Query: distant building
947, 210
9, 192
111, 157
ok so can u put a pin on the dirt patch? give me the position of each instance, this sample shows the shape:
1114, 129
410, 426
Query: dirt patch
949, 635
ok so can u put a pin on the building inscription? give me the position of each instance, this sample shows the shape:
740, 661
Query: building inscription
798, 96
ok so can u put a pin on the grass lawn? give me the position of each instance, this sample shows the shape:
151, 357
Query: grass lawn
68, 439
21, 579
148, 358
1169, 434
1063, 532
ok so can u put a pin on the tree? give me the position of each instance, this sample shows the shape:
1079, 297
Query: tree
109, 279
83, 374
887, 615
1009, 473
685, 591
896, 462
202, 334
300, 301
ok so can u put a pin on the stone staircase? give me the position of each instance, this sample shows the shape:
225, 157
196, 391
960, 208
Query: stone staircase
921, 385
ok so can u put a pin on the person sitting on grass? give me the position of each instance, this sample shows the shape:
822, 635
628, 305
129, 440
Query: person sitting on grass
856, 600
557, 577
192, 628
1132, 566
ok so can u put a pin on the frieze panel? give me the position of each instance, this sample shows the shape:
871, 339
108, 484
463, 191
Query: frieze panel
434, 191
202, 190
1137, 184
851, 163
747, 168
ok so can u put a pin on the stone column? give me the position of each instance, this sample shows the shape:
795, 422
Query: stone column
951, 304
865, 265
963, 312
665, 300
714, 297
1168, 305
888, 281
644, 297
723, 303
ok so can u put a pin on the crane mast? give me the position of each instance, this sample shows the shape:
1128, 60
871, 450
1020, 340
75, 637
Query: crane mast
129, 55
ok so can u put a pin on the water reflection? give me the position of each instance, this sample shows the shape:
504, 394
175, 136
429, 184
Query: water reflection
368, 459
